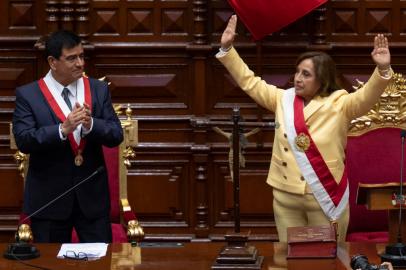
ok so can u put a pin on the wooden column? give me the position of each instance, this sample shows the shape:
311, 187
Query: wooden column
67, 15
200, 21
319, 21
52, 18
82, 19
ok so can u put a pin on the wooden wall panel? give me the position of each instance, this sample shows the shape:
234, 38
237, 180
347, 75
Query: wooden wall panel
159, 57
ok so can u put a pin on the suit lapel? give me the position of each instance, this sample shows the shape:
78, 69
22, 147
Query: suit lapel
46, 105
95, 97
314, 105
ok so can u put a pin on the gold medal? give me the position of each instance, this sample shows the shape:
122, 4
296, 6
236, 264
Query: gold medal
79, 158
302, 142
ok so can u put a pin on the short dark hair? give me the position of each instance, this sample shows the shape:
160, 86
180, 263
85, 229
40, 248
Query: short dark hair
325, 70
59, 40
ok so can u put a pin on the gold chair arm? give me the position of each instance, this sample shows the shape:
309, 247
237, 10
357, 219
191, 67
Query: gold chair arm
134, 231
24, 233
22, 162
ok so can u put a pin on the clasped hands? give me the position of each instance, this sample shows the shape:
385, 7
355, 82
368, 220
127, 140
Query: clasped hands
78, 115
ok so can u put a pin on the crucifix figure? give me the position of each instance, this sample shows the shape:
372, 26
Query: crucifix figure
243, 143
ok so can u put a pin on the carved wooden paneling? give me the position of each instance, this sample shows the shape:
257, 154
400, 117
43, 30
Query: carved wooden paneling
159, 57
148, 84
345, 21
356, 20
21, 19
107, 22
21, 15
158, 189
142, 21
255, 195
11, 196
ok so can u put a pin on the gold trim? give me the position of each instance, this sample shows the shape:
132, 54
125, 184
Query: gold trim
135, 231
24, 233
390, 111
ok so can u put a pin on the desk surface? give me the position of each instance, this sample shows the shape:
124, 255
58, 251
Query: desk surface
190, 256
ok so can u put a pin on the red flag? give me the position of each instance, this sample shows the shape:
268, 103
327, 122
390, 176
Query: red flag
263, 17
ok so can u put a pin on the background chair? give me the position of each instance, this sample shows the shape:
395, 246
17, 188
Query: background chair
125, 226
373, 156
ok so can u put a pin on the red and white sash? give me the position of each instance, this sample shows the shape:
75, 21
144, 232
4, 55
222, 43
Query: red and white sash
61, 110
332, 197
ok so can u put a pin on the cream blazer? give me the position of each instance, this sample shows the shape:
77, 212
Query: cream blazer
327, 119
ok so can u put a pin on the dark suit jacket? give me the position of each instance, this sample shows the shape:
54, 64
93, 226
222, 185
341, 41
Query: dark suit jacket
51, 168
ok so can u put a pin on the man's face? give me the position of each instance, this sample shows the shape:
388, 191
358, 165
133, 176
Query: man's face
69, 67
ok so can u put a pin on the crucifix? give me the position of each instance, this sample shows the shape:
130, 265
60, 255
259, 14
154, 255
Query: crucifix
237, 252
243, 143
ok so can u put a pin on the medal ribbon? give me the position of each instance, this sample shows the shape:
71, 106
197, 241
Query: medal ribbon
332, 197
76, 148
335, 191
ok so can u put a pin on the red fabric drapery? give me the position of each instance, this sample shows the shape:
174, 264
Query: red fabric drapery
263, 17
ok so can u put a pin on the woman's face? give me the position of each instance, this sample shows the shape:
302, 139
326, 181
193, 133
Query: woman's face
306, 83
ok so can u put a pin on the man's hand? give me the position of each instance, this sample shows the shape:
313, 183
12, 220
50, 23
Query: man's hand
87, 118
388, 265
227, 38
74, 119
381, 54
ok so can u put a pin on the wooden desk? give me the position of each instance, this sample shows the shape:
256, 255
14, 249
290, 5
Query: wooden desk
192, 256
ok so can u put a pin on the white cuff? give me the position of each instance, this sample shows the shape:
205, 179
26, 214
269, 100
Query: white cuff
86, 131
223, 52
61, 134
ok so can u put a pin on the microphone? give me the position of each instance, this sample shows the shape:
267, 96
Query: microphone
25, 251
396, 253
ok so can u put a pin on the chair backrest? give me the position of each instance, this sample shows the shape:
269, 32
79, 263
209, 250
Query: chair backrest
373, 153
117, 160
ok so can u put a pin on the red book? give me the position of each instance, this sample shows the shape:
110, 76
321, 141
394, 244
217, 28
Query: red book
312, 242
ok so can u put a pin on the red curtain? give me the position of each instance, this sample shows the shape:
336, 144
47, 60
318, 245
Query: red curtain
263, 17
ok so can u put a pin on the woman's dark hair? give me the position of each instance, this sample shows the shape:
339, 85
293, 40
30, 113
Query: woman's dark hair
60, 40
325, 70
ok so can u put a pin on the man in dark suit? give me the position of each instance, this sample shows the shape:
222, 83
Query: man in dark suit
62, 121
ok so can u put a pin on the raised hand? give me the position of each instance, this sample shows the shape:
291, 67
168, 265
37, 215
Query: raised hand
227, 38
381, 54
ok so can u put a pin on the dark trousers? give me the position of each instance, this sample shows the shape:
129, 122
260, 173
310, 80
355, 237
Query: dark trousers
60, 231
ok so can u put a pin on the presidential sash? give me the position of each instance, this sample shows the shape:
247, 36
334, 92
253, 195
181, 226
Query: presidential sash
332, 197
61, 110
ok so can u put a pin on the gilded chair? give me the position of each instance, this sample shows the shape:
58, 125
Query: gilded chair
125, 226
373, 157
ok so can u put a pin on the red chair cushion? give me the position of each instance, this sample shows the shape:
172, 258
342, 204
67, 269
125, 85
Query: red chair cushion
373, 237
371, 158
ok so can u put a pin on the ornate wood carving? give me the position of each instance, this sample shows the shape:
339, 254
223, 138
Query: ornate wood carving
200, 21
82, 18
320, 17
52, 17
390, 111
67, 10
21, 15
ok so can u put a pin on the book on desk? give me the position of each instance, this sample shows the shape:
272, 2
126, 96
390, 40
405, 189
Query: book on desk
312, 242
